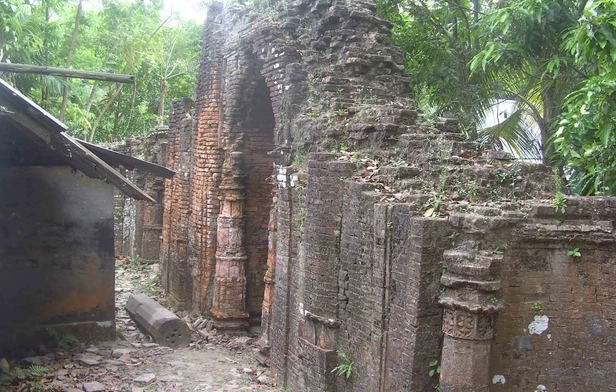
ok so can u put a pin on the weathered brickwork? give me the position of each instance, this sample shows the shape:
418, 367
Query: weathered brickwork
175, 271
138, 224
313, 197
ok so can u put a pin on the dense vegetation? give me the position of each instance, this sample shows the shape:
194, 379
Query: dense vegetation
115, 36
554, 58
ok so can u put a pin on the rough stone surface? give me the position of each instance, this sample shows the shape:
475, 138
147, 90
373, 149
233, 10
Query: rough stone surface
145, 378
93, 386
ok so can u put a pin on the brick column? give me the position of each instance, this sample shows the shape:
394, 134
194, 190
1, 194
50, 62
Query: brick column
470, 301
229, 302
266, 320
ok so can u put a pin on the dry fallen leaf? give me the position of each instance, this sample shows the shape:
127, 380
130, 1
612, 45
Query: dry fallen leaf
428, 212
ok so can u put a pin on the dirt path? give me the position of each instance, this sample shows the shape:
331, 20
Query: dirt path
132, 363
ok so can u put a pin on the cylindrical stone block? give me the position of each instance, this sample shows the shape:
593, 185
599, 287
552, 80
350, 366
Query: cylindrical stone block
165, 327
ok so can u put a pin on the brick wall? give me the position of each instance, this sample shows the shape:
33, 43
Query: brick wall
138, 224
397, 241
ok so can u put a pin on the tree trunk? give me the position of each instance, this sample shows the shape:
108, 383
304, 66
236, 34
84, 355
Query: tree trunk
102, 113
91, 98
161, 102
69, 59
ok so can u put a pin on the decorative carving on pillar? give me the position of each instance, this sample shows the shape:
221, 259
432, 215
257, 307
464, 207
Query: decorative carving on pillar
229, 302
465, 325
470, 302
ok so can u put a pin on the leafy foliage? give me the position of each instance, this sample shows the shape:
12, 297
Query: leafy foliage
554, 59
26, 379
120, 36
585, 139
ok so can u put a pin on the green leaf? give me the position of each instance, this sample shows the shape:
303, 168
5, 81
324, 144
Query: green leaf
606, 132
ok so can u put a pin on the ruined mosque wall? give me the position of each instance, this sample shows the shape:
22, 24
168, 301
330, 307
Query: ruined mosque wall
311, 192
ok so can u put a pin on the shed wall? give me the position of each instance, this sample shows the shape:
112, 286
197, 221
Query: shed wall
56, 255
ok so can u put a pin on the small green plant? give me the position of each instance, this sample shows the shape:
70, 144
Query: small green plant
312, 113
119, 213
494, 300
64, 341
537, 307
340, 112
443, 290
377, 337
148, 286
559, 203
443, 266
345, 368
575, 252
453, 238
29, 379
497, 251
473, 191
435, 368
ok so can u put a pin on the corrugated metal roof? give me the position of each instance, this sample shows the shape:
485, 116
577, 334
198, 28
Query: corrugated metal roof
50, 133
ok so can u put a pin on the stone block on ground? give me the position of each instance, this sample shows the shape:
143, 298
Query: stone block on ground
93, 386
165, 327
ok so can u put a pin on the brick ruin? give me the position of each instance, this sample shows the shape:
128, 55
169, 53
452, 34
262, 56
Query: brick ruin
313, 198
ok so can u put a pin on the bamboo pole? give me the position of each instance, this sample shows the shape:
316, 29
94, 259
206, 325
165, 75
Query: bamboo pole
69, 73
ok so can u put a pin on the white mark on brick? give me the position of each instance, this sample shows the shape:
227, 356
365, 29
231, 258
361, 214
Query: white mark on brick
276, 66
538, 326
286, 87
498, 379
541, 388
301, 309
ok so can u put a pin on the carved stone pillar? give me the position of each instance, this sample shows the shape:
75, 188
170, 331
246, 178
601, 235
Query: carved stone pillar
470, 301
229, 302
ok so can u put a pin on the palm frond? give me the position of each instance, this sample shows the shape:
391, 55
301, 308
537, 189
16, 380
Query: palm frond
515, 133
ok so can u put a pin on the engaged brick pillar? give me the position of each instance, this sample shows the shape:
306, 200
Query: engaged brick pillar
229, 302
268, 296
470, 302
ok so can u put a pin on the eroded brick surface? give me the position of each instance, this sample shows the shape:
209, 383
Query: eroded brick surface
392, 239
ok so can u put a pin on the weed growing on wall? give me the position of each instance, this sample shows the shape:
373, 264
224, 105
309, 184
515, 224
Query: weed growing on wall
345, 368
575, 252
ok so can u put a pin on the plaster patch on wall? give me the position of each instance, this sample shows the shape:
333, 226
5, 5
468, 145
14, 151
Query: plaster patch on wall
301, 309
540, 387
538, 326
499, 379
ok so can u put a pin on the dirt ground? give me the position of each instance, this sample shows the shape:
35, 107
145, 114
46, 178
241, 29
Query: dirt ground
132, 363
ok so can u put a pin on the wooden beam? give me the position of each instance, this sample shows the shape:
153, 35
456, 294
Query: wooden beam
68, 73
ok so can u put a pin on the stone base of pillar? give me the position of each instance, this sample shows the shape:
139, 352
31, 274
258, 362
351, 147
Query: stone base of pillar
263, 356
230, 322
